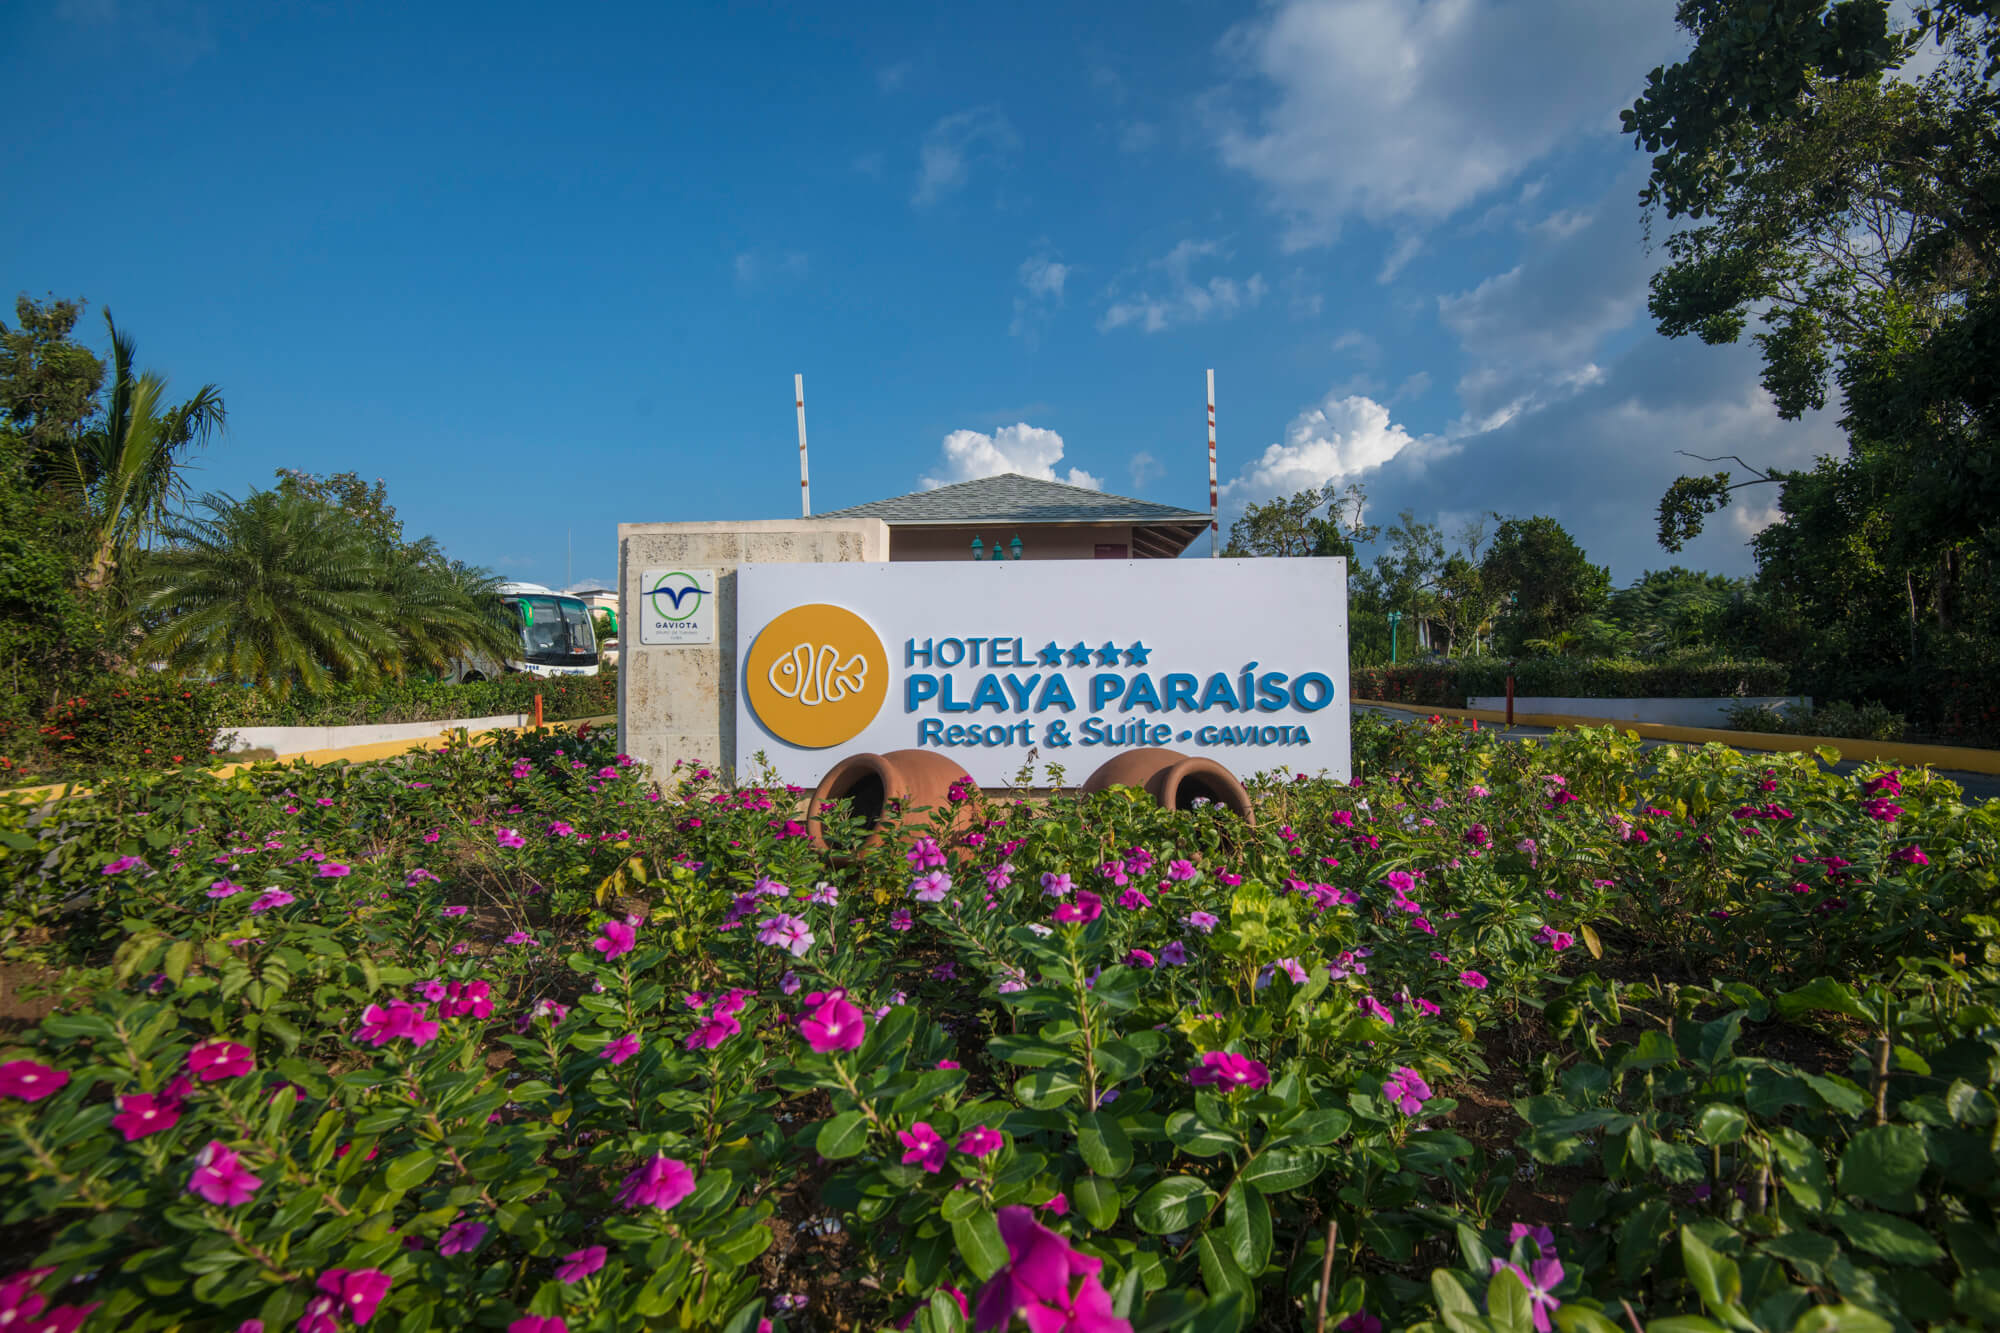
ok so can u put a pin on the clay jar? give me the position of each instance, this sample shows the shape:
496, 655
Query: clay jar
920, 779
1175, 780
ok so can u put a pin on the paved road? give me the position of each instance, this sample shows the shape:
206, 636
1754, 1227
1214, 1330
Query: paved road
1979, 787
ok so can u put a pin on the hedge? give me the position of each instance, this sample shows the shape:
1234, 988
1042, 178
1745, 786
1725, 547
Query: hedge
426, 701
1448, 684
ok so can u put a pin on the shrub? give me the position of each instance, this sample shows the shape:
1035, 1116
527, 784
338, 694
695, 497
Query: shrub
563, 697
1449, 683
1867, 722
135, 723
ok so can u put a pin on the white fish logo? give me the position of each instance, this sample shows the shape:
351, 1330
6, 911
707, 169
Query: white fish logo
818, 676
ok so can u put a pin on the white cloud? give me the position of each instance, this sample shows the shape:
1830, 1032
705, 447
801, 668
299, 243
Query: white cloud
1413, 387
944, 159
1041, 293
1184, 300
1408, 110
1342, 438
1145, 468
1029, 450
1408, 246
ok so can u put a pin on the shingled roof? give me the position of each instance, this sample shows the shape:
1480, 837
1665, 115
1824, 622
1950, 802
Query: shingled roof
1013, 498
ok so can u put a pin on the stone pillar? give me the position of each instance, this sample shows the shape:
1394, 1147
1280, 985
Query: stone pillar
680, 702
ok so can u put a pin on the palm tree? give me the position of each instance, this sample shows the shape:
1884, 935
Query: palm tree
442, 609
125, 474
277, 591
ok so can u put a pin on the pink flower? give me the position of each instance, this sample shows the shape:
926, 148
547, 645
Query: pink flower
220, 1176
712, 1031
1545, 1239
507, 837
335, 870
1058, 1205
1140, 958
832, 1023
1541, 1279
615, 940
1054, 885
924, 854
215, 1060
1204, 922
144, 1113
931, 888
360, 1290
1375, 1009
1557, 940
1912, 855
580, 1264
1086, 908
900, 919
520, 937
1224, 1069
222, 888
461, 1238
660, 1183
787, 932
270, 898
925, 1147
1359, 1322
979, 1141
620, 1049
1132, 900
1473, 979
1406, 1090
122, 864
456, 911
30, 1080
1036, 1283
1182, 872
538, 1323
1175, 954
381, 1025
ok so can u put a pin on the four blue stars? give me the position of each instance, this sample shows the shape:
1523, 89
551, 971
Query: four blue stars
1079, 654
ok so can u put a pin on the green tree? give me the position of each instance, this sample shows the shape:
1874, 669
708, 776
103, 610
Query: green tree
1550, 585
48, 381
442, 610
1317, 521
123, 474
276, 590
1680, 610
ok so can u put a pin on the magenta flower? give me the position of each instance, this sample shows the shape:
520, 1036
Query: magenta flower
660, 1183
335, 870
270, 898
1359, 1322
712, 1031
925, 1147
1182, 872
507, 837
1133, 899
456, 910
1475, 980
220, 1176
1912, 855
1174, 955
1037, 1282
213, 1060
461, 1238
1054, 885
520, 937
831, 1023
1545, 1239
222, 888
122, 864
615, 940
620, 1049
381, 1024
900, 919
144, 1113
30, 1080
787, 932
359, 1291
931, 888
1139, 958
1225, 1069
1541, 1280
1888, 784
1086, 908
1204, 922
1557, 940
979, 1141
1406, 1090
925, 854
580, 1264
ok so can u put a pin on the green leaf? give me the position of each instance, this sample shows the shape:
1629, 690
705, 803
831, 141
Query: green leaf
1716, 1278
1718, 1123
1825, 995
1097, 1199
1219, 1271
1173, 1204
1841, 1319
1276, 1170
843, 1136
179, 954
946, 1317
979, 1243
1046, 1088
1197, 1139
1508, 1308
1246, 1224
1894, 1239
1102, 1143
1025, 1051
410, 1169
1882, 1162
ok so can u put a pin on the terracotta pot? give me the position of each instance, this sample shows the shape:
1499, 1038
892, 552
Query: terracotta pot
1175, 780
920, 779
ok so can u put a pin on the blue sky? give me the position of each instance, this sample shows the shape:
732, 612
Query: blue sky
549, 268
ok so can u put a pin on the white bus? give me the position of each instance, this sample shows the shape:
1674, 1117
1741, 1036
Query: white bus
555, 637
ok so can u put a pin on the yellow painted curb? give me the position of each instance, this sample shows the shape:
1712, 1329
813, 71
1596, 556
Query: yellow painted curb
1963, 759
352, 754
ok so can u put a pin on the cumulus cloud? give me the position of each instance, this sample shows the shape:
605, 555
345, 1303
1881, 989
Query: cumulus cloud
1184, 299
1032, 451
944, 159
1409, 110
1341, 438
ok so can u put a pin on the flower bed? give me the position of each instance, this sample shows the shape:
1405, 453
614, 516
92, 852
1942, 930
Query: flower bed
1498, 1037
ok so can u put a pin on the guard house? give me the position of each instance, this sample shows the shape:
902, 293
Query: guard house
1013, 517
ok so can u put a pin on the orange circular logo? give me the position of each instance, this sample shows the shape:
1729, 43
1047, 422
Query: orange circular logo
817, 675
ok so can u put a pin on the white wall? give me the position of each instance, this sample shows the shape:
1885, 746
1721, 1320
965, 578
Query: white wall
297, 740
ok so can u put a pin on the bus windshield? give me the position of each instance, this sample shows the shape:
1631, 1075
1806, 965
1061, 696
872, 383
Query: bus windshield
555, 631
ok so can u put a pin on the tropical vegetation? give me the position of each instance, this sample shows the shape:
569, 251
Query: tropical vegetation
1494, 1037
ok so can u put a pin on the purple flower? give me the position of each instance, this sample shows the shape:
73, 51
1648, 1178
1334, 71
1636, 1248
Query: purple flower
1541, 1280
1912, 855
924, 1147
786, 932
999, 877
1054, 885
1182, 872
712, 1031
580, 1264
1406, 1090
1557, 940
900, 919
122, 864
1202, 921
1475, 980
1140, 958
661, 1183
461, 1238
925, 854
1225, 1069
456, 911
381, 1025
222, 888
1174, 955
931, 888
